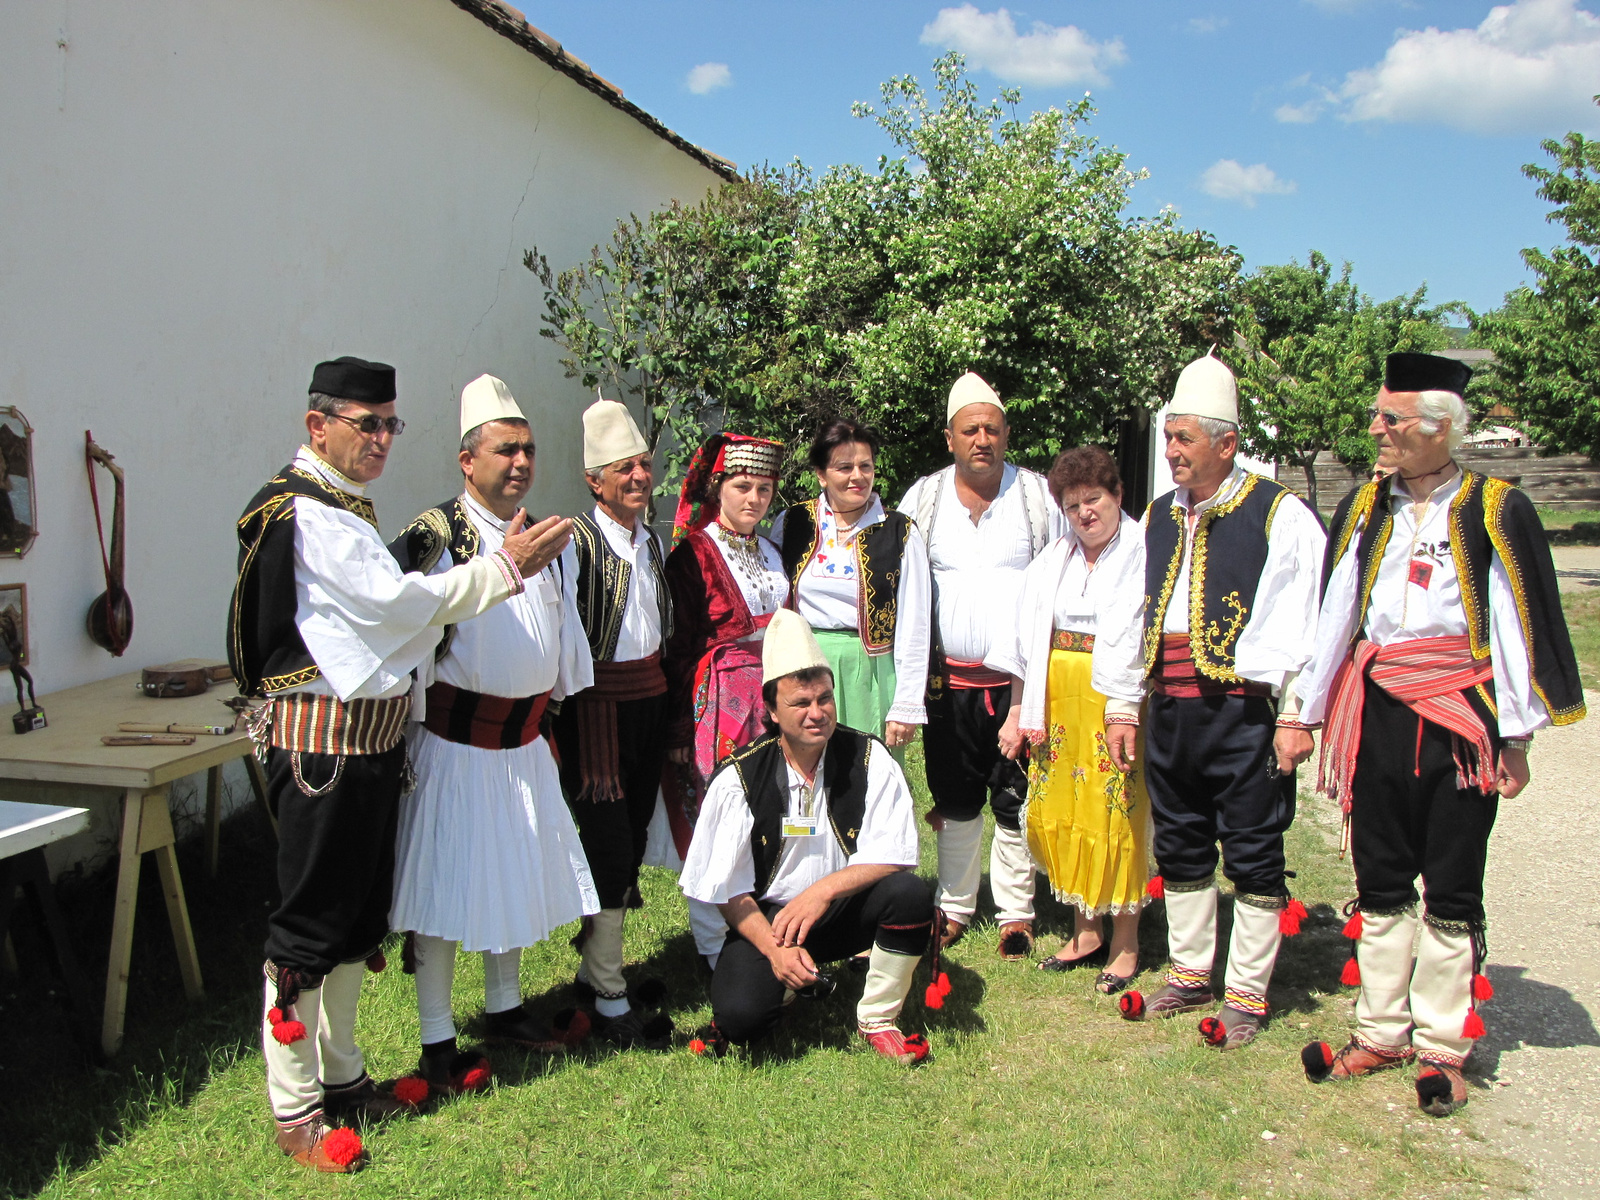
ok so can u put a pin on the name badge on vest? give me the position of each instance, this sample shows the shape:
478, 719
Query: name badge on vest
801, 819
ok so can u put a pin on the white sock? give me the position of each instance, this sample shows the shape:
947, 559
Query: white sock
292, 1079
960, 867
1191, 933
1383, 1007
341, 1059
1011, 874
436, 968
1251, 954
884, 993
502, 981
602, 962
1441, 992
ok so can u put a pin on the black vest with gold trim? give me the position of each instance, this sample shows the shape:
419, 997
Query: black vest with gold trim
602, 587
422, 543
1225, 565
265, 649
880, 553
763, 775
1487, 517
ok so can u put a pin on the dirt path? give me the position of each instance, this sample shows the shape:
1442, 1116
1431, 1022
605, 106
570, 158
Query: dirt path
1539, 1064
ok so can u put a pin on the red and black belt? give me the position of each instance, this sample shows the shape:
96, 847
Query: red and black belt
487, 722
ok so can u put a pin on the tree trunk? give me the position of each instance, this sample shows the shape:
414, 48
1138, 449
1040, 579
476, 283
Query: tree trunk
1309, 465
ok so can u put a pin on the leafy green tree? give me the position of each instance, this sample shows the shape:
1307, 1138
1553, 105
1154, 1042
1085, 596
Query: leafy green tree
1546, 339
1310, 352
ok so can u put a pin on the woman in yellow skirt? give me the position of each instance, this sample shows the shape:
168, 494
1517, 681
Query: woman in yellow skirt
1087, 823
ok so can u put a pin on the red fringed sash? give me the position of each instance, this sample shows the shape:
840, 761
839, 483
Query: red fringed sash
1428, 676
599, 760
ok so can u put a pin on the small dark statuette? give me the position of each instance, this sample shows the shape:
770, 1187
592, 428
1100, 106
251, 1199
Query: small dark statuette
30, 716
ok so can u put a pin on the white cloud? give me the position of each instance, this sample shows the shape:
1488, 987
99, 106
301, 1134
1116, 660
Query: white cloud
1048, 55
1298, 114
1206, 24
1227, 180
1531, 67
708, 77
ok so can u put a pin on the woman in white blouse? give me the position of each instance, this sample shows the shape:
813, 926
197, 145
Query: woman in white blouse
1087, 823
861, 582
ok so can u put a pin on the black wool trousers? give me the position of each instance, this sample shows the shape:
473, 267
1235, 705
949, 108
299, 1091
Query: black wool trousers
335, 855
961, 747
613, 831
1408, 817
1212, 776
894, 913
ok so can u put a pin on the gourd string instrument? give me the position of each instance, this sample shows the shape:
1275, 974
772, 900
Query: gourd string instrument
110, 619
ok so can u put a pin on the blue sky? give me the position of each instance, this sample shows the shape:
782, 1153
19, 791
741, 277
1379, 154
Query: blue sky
1387, 132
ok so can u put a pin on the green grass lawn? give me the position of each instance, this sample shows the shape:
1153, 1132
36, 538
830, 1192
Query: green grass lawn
1037, 1089
1571, 527
1582, 611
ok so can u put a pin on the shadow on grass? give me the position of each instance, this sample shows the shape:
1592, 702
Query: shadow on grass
59, 1108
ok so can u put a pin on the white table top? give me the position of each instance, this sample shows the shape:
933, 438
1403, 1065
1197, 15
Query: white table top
28, 826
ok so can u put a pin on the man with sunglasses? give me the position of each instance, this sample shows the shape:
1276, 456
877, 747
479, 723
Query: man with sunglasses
1441, 649
328, 629
488, 856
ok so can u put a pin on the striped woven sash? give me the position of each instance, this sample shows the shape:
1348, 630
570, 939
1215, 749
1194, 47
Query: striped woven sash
311, 724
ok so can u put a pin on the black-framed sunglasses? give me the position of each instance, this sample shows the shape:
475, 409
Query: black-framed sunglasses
372, 425
1392, 420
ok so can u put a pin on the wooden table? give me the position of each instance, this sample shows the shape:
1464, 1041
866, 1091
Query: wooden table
25, 830
69, 752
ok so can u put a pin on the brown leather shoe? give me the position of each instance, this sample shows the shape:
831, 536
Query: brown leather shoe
1354, 1060
1231, 1028
364, 1103
315, 1145
1016, 940
952, 933
1441, 1088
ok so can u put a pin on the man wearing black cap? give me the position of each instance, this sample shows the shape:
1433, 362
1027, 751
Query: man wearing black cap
325, 626
1441, 648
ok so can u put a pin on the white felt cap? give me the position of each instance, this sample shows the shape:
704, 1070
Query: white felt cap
970, 389
609, 435
1206, 388
789, 646
487, 399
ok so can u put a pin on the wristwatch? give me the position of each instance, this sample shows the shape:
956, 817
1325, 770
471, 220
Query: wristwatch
1521, 743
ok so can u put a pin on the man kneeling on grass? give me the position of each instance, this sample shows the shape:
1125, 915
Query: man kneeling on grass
806, 842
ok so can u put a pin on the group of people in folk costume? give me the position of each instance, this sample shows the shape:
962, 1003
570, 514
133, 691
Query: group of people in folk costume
481, 731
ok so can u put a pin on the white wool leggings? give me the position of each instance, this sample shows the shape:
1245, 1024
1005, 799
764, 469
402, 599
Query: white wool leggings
436, 966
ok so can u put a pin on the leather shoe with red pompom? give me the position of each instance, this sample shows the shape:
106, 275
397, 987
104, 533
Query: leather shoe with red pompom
1231, 1028
1322, 1063
362, 1103
1441, 1088
449, 1072
906, 1049
315, 1145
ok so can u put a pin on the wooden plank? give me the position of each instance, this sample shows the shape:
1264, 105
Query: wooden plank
121, 957
26, 827
178, 918
155, 823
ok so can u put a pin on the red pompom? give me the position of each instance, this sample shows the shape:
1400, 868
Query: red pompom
1156, 888
341, 1146
1482, 989
1351, 975
1353, 927
409, 1089
1212, 1031
274, 1015
1132, 1005
696, 1046
286, 1033
377, 962
943, 983
933, 997
573, 1025
1473, 1026
1326, 1053
1290, 916
476, 1078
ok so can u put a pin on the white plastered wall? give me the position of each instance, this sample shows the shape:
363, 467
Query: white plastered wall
199, 201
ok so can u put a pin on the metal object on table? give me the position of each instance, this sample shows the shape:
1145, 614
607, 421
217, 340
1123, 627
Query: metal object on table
174, 679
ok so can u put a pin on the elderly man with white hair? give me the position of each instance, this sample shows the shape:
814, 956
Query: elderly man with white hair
1230, 614
1441, 649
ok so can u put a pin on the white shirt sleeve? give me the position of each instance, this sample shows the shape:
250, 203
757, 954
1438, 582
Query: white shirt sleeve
719, 865
1278, 638
1336, 625
1118, 671
913, 617
1521, 712
888, 826
577, 664
366, 623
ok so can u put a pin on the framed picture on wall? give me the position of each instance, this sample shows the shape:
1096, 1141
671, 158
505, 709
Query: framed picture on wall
13, 625
19, 523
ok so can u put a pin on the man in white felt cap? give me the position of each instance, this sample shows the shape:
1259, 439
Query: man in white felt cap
612, 736
1230, 617
984, 520
488, 857
807, 841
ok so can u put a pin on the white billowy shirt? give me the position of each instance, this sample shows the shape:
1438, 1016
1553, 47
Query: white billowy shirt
719, 866
829, 597
758, 573
1063, 590
978, 567
1417, 594
530, 644
366, 623
640, 636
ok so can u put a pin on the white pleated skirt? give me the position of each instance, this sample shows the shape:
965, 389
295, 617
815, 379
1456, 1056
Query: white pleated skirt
487, 854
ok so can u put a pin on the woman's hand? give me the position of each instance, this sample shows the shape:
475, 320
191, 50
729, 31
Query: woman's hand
897, 734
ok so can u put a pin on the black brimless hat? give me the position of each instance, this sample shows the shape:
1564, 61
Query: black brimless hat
1411, 372
355, 379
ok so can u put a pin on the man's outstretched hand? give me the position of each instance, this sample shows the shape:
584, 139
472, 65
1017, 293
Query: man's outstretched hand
537, 546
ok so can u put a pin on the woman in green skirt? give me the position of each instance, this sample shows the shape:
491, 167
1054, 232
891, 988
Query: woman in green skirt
861, 581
